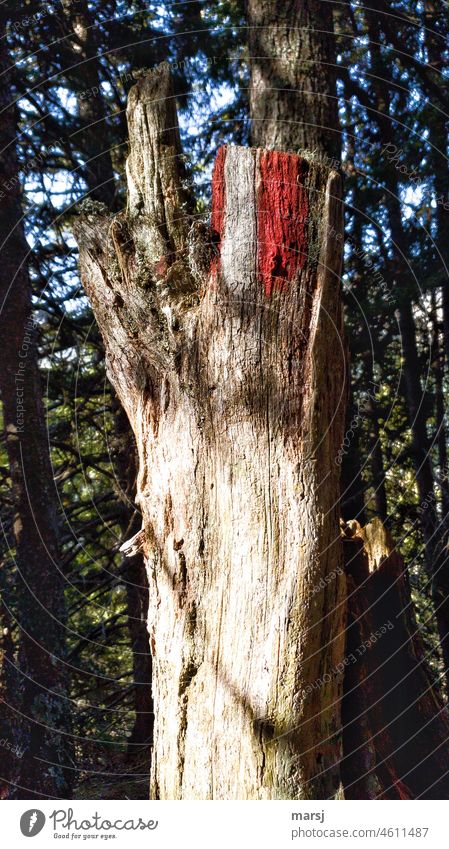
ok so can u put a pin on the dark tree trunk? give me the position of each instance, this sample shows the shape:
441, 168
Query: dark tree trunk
375, 447
438, 134
396, 729
136, 582
94, 135
292, 95
8, 689
435, 37
440, 414
137, 595
352, 504
438, 359
43, 722
222, 346
441, 567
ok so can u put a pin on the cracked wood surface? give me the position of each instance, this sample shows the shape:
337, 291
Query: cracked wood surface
234, 387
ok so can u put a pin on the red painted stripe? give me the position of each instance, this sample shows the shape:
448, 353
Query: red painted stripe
218, 204
282, 212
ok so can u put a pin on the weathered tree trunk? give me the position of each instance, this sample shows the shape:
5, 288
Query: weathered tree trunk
396, 729
225, 348
43, 722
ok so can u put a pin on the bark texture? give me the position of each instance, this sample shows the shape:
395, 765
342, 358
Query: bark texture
396, 729
293, 102
224, 345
